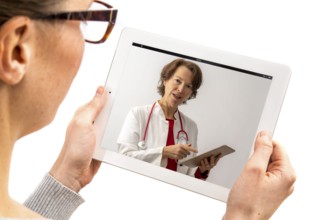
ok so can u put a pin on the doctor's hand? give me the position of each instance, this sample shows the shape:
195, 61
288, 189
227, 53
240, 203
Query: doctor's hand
75, 167
266, 181
178, 151
208, 163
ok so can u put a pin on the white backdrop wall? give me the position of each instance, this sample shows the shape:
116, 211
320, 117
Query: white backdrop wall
291, 32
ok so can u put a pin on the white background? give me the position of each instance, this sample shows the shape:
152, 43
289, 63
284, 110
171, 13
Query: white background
291, 32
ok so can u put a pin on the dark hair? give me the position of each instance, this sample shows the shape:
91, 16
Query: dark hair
11, 8
169, 70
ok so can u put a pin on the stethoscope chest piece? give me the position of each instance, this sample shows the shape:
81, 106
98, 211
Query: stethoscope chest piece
142, 145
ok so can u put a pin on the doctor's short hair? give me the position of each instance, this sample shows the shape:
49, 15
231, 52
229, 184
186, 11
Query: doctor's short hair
29, 8
169, 70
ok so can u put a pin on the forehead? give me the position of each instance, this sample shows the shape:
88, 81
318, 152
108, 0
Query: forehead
184, 73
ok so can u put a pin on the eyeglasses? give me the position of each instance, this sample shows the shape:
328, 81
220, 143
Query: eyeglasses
96, 24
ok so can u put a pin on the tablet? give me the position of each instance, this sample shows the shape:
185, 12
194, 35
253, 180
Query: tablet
239, 97
216, 152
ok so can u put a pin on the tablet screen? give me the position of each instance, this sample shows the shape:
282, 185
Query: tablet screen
227, 110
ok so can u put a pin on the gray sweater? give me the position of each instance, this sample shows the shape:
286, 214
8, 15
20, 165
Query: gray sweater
53, 200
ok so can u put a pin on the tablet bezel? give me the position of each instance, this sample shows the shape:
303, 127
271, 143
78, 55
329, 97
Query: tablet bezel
281, 76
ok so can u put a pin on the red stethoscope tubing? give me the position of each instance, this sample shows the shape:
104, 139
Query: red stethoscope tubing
181, 130
148, 121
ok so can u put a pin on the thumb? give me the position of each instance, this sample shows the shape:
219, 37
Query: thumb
263, 150
92, 109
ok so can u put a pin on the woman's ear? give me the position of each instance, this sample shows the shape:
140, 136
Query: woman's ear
14, 49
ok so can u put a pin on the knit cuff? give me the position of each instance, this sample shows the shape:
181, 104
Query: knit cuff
53, 200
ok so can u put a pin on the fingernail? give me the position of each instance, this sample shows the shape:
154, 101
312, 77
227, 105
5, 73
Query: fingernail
265, 136
99, 91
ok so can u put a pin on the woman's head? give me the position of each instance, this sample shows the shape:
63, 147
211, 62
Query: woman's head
11, 8
39, 59
187, 70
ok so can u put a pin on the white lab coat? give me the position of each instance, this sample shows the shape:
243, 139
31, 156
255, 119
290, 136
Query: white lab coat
133, 130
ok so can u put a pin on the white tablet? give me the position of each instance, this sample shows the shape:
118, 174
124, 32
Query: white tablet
239, 96
195, 161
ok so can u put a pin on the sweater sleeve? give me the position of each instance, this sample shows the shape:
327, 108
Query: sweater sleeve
53, 200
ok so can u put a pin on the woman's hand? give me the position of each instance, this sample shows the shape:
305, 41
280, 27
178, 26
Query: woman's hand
178, 151
266, 181
208, 163
75, 167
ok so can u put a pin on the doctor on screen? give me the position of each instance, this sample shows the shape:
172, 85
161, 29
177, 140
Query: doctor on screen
159, 133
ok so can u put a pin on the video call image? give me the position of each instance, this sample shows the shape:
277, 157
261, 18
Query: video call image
226, 110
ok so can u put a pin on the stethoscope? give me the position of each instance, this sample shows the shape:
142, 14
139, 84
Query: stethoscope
181, 137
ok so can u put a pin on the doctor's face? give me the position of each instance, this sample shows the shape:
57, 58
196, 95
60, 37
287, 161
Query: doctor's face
178, 88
